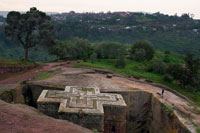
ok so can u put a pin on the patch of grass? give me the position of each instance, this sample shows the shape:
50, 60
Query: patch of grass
94, 131
44, 75
198, 130
168, 110
87, 89
196, 126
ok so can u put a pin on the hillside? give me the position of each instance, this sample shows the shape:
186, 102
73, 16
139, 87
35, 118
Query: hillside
178, 34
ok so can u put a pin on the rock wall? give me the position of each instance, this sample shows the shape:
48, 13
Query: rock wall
145, 114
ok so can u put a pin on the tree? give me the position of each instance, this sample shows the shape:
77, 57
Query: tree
192, 67
93, 57
179, 73
29, 29
63, 49
143, 45
139, 55
110, 50
159, 67
83, 48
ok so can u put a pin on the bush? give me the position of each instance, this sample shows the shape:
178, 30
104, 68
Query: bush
166, 59
167, 52
63, 49
167, 78
159, 67
120, 63
139, 55
110, 50
93, 57
146, 46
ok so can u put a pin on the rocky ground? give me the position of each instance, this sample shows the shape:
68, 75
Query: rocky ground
66, 75
18, 118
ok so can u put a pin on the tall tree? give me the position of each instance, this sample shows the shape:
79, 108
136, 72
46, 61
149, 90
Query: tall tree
29, 29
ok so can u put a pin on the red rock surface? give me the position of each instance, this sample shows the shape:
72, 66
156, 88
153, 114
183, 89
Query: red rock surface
17, 118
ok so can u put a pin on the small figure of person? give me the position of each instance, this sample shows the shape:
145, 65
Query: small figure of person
163, 90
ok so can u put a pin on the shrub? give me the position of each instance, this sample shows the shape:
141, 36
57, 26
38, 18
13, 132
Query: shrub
93, 57
167, 52
110, 50
63, 49
146, 46
159, 67
167, 78
139, 55
166, 59
120, 63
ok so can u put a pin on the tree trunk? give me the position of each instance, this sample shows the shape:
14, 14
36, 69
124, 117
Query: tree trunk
26, 54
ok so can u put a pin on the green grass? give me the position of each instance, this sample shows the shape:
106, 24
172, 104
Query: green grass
134, 68
87, 89
13, 62
44, 75
168, 110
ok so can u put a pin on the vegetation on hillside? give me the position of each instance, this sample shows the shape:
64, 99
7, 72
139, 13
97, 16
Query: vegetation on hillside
178, 34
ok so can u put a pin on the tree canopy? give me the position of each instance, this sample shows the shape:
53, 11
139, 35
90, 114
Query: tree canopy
29, 29
143, 45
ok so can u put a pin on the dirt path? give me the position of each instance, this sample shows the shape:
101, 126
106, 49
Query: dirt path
31, 74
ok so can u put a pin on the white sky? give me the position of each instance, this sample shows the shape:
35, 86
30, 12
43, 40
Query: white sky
164, 6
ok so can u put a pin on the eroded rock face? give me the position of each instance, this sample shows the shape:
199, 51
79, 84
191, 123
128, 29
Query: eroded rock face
145, 113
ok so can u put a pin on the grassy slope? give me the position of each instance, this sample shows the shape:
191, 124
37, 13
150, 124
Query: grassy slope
139, 69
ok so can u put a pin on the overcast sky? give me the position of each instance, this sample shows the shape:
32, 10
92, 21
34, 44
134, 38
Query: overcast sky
164, 6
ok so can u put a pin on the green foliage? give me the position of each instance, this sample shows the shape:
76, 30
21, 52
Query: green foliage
188, 75
93, 57
158, 67
120, 62
87, 89
139, 55
167, 78
168, 110
167, 52
83, 48
29, 29
110, 50
140, 69
166, 59
64, 49
142, 45
94, 131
